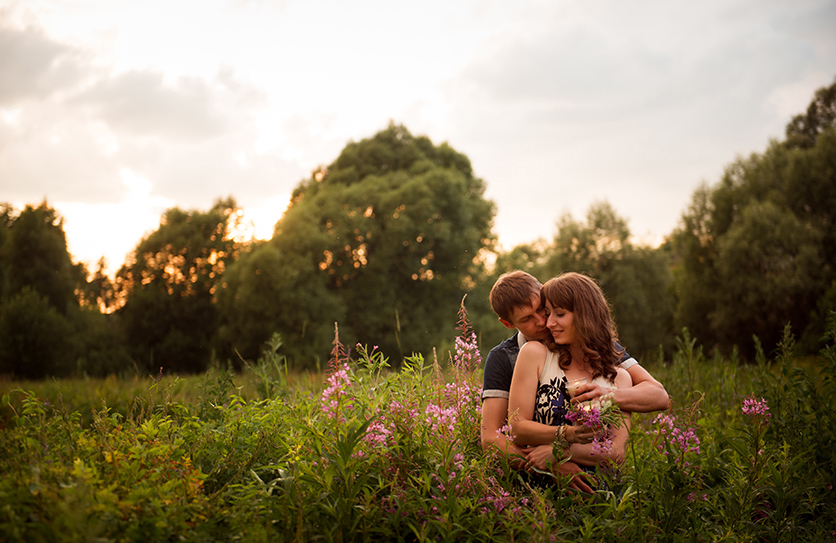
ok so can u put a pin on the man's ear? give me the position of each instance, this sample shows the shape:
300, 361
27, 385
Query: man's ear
507, 324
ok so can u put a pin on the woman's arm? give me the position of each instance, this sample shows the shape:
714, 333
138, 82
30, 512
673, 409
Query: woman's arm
523, 396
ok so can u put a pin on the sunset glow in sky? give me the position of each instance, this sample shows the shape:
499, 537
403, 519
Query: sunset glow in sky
115, 111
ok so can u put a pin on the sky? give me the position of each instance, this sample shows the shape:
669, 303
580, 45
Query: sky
114, 111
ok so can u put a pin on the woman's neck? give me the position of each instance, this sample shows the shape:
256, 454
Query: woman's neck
577, 355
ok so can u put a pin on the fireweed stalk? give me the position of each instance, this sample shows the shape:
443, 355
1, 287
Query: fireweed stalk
338, 381
758, 413
679, 437
336, 389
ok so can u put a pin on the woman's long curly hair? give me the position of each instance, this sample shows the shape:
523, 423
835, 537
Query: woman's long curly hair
594, 328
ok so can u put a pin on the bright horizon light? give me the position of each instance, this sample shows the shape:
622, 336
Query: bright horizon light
114, 111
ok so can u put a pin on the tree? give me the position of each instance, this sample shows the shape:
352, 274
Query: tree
36, 257
758, 250
37, 340
695, 281
804, 129
169, 315
392, 229
768, 265
810, 191
636, 280
267, 291
97, 290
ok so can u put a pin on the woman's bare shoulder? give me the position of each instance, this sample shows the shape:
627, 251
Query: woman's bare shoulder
533, 347
532, 355
622, 378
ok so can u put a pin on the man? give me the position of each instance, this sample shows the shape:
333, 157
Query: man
515, 298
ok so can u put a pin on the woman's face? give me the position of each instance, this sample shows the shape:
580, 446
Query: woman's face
561, 324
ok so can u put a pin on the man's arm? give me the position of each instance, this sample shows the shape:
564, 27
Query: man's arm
647, 394
494, 414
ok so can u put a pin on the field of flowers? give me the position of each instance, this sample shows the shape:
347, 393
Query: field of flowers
364, 453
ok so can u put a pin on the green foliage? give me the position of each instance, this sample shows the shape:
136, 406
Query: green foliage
767, 259
101, 345
759, 250
384, 242
169, 315
50, 323
36, 339
804, 129
37, 301
268, 290
36, 257
636, 280
745, 454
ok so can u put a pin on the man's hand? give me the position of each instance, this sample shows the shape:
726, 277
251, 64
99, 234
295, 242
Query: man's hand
589, 391
540, 457
579, 478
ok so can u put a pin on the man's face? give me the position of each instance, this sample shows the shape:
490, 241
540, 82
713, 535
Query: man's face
530, 320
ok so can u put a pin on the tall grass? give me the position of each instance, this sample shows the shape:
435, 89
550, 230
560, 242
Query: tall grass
364, 453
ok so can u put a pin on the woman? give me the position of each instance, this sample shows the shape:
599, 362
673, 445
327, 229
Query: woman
579, 320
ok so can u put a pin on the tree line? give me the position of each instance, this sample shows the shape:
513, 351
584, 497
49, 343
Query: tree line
389, 238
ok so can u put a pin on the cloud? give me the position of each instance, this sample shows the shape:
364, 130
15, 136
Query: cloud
793, 98
70, 126
140, 104
636, 103
48, 150
33, 66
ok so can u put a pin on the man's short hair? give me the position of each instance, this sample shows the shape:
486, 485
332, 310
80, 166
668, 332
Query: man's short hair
513, 289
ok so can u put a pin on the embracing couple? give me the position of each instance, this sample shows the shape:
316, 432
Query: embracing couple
565, 350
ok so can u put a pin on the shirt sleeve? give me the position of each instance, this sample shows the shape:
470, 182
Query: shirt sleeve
627, 364
498, 373
625, 361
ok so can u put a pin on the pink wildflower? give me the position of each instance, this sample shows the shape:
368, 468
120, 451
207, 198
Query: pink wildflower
755, 408
337, 383
602, 417
686, 439
467, 356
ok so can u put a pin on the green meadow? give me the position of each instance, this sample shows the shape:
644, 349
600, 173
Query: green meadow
365, 452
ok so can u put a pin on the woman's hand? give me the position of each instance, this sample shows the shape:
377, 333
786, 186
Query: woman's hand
579, 434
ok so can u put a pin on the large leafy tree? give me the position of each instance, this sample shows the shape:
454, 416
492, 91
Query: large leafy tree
46, 325
268, 291
758, 250
169, 316
36, 340
36, 257
385, 241
768, 267
38, 305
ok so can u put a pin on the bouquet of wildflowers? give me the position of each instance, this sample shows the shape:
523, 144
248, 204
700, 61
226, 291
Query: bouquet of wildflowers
603, 416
